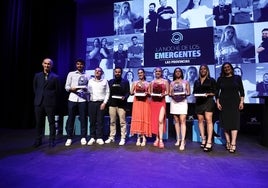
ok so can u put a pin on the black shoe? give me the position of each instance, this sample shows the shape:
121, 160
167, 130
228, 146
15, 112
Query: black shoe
51, 144
232, 149
37, 144
208, 149
203, 143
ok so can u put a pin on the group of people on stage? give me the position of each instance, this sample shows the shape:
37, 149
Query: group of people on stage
92, 96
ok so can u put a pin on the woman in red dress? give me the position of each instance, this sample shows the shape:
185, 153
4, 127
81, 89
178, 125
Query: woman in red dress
159, 89
141, 111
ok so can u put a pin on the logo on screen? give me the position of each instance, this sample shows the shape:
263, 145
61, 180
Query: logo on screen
176, 37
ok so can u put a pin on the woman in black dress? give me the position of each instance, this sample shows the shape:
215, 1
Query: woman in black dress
205, 105
230, 100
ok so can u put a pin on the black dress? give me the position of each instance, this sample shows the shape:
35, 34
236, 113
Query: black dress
205, 104
230, 89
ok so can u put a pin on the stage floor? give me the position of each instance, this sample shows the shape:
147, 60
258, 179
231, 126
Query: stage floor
111, 165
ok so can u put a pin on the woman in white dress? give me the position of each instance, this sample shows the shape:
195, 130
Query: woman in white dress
179, 90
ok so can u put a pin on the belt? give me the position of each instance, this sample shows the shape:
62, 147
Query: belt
97, 101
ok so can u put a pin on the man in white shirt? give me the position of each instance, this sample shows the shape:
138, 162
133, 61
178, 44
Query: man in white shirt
99, 91
76, 85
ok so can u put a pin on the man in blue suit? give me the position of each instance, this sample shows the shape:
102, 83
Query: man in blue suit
46, 86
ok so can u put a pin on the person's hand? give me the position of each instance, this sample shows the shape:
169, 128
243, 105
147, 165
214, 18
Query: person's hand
241, 106
219, 105
260, 49
102, 106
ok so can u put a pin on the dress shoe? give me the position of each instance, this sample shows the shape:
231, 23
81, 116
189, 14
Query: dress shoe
37, 144
207, 148
51, 144
232, 148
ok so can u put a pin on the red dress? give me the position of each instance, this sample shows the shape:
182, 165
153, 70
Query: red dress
156, 104
141, 111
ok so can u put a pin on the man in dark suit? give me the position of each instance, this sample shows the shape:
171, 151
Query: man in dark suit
46, 86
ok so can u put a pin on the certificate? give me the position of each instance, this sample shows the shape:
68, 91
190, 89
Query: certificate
81, 87
156, 94
140, 94
200, 94
179, 93
117, 97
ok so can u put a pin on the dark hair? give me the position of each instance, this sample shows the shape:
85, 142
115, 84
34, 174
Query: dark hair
174, 73
119, 68
152, 4
81, 61
265, 29
222, 74
190, 6
134, 37
141, 69
125, 77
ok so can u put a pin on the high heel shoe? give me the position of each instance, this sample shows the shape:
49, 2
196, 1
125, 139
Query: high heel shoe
156, 143
203, 143
182, 146
228, 146
208, 149
161, 144
178, 143
138, 143
232, 149
143, 142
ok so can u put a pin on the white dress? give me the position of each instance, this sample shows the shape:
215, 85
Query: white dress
178, 105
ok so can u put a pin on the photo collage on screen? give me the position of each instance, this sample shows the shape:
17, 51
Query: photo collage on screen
185, 34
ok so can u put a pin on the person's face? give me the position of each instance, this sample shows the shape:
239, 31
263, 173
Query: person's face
158, 72
203, 71
163, 3
135, 41
165, 72
221, 2
151, 8
104, 42
192, 74
264, 35
237, 71
227, 69
178, 73
129, 76
117, 73
125, 7
229, 33
98, 72
141, 74
47, 65
120, 47
80, 66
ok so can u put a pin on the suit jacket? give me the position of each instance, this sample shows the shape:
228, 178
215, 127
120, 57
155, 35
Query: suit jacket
46, 90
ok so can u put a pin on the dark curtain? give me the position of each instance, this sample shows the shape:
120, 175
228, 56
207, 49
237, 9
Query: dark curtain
31, 31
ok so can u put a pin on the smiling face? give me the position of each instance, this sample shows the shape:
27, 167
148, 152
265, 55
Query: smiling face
227, 69
158, 72
203, 71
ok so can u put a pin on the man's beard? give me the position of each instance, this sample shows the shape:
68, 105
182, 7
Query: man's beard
265, 39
